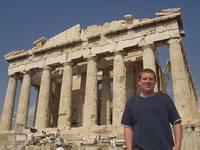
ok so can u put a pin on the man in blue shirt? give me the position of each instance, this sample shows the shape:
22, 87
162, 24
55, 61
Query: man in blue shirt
147, 118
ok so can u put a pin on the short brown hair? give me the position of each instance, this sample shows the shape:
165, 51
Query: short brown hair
147, 70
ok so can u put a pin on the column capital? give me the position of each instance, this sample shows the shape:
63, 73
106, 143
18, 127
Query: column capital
92, 58
117, 52
152, 46
174, 40
12, 75
26, 72
46, 68
69, 63
120, 53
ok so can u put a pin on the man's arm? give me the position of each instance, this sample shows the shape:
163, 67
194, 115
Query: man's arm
177, 128
128, 135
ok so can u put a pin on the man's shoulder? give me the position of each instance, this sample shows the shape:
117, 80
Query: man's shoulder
133, 99
163, 95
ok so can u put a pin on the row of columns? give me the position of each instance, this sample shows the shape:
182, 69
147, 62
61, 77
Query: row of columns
180, 81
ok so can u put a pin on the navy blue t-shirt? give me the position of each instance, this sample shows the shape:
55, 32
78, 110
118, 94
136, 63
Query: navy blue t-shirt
150, 119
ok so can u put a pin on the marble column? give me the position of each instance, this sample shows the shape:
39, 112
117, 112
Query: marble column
90, 104
180, 82
51, 104
56, 102
149, 60
105, 101
42, 116
130, 84
65, 108
23, 106
37, 89
82, 97
193, 95
7, 114
119, 87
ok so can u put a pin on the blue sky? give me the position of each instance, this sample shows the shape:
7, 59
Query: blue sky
24, 21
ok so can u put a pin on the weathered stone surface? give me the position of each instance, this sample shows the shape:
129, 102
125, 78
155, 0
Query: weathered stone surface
64, 120
90, 104
22, 111
149, 59
6, 118
42, 116
181, 86
119, 87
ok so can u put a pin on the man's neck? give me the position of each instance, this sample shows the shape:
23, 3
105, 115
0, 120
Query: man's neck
147, 94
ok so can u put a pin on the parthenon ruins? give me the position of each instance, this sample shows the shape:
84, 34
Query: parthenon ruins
83, 78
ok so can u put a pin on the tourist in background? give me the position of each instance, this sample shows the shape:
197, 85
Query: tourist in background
59, 144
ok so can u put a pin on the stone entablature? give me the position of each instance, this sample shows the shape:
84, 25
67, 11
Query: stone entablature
75, 43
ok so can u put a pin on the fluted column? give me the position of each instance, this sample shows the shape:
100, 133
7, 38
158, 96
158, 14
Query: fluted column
64, 117
149, 60
42, 116
56, 102
119, 87
105, 101
130, 84
37, 89
82, 97
90, 104
22, 110
7, 114
180, 82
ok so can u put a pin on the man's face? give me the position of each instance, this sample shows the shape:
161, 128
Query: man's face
147, 83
